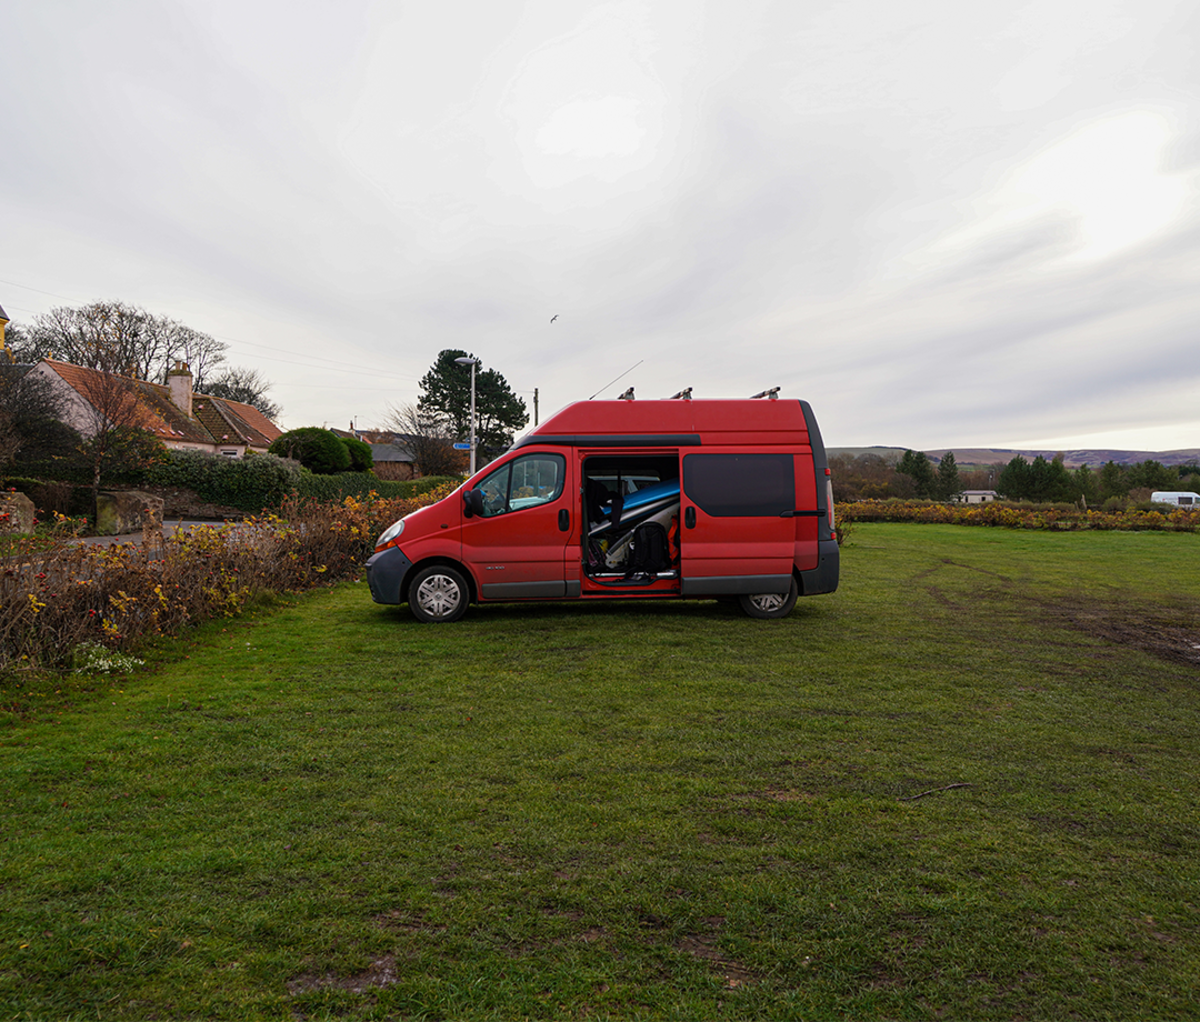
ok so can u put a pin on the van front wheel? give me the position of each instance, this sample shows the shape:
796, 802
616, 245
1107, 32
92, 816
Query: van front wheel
770, 605
438, 594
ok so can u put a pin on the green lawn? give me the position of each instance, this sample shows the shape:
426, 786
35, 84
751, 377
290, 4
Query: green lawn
963, 786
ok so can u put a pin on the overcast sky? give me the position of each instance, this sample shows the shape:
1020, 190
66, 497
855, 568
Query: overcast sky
942, 223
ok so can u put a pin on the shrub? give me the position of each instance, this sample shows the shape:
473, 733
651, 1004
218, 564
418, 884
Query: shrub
1019, 516
53, 495
47, 438
66, 469
54, 601
252, 483
130, 452
361, 485
318, 450
361, 459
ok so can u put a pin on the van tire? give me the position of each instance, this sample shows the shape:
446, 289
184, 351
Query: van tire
770, 605
438, 595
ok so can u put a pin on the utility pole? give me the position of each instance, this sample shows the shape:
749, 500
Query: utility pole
535, 400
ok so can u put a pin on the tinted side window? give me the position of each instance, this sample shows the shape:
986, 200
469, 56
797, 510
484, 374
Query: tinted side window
524, 482
725, 485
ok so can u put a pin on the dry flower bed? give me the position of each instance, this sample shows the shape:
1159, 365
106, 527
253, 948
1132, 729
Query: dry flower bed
56, 600
1057, 517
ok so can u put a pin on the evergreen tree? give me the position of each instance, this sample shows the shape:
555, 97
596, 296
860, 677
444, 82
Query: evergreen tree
446, 394
1152, 475
917, 465
1087, 485
947, 477
1014, 481
1113, 482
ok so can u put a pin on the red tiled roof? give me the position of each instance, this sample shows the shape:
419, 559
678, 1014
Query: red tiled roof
227, 419
214, 420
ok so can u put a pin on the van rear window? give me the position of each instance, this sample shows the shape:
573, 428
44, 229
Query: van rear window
740, 485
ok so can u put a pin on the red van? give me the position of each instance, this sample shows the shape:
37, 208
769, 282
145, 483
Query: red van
629, 499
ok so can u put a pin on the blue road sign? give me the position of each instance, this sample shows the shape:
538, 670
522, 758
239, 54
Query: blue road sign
462, 447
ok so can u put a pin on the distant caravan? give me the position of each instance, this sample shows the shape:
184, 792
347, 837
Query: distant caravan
629, 500
1180, 498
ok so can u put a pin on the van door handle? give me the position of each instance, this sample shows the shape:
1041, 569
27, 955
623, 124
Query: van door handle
689, 518
564, 520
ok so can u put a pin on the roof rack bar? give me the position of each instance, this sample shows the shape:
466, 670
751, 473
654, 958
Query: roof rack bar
772, 394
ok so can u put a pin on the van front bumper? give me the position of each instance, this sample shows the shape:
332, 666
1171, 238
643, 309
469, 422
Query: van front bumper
385, 575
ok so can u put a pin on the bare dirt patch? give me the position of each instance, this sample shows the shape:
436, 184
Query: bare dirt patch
1170, 632
400, 921
703, 946
380, 973
775, 795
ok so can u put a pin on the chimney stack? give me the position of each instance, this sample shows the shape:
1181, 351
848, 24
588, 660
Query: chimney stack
179, 380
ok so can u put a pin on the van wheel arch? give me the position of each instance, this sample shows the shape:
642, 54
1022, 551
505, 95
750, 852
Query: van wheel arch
438, 591
770, 606
447, 562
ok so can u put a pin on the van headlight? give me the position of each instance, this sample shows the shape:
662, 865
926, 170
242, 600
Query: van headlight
389, 534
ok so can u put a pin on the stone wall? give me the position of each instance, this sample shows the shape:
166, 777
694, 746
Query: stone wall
181, 504
119, 512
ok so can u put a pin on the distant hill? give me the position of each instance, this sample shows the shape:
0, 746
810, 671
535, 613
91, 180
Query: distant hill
1000, 456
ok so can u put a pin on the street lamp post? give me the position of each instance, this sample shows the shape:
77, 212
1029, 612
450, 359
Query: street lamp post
472, 362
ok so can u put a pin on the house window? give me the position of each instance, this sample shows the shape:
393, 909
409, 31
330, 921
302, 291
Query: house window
230, 454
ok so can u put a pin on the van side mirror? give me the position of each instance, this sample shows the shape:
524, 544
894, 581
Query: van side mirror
472, 503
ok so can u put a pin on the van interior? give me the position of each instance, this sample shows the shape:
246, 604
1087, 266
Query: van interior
631, 519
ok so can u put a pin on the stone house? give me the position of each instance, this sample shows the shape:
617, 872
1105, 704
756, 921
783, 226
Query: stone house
182, 419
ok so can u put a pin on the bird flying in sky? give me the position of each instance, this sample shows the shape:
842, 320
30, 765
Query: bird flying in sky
554, 317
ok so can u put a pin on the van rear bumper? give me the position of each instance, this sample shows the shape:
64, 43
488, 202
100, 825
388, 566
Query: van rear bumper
385, 575
824, 577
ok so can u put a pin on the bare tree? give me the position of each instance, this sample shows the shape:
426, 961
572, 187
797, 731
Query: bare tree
203, 354
245, 385
111, 336
18, 345
423, 432
112, 432
123, 337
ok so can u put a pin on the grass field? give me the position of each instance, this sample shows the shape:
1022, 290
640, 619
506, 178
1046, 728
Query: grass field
964, 786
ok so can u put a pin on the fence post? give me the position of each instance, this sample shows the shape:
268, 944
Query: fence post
152, 530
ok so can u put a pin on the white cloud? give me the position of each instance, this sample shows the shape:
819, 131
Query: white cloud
942, 223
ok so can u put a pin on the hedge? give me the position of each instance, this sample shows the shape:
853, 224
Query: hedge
251, 483
362, 484
1055, 517
57, 600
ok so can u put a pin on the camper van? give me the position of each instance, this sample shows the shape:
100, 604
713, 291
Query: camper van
1180, 498
629, 500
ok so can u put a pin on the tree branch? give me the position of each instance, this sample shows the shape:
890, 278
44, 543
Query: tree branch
932, 791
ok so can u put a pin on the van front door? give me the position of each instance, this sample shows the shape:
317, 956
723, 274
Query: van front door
734, 540
516, 548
